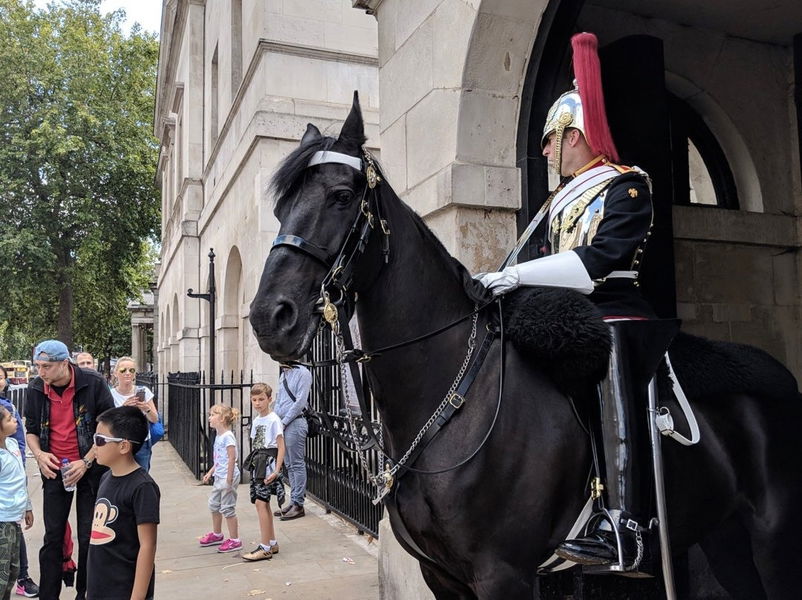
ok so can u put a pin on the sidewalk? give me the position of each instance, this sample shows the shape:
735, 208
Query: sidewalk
321, 556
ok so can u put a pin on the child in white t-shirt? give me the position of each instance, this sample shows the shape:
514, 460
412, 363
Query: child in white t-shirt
223, 499
264, 463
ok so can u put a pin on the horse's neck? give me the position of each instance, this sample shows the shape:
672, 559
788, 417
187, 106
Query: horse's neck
417, 293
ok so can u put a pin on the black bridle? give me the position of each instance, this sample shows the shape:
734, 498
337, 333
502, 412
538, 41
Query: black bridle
342, 264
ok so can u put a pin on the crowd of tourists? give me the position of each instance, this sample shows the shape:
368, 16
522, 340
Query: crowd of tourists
93, 441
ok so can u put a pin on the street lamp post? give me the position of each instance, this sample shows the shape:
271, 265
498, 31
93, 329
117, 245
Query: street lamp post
211, 297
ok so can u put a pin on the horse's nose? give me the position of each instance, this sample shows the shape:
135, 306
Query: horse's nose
283, 316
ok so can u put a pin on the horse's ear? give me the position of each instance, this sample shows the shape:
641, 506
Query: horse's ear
352, 135
312, 134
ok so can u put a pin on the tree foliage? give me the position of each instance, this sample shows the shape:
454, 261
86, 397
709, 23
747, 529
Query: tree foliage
77, 168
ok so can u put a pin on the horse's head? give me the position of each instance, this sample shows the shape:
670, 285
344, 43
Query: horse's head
325, 215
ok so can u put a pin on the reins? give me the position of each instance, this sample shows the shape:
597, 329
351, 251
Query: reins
338, 280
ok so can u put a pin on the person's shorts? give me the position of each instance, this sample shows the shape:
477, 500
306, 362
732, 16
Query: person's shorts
262, 491
223, 499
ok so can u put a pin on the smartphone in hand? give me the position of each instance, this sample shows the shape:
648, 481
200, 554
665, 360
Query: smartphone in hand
140, 394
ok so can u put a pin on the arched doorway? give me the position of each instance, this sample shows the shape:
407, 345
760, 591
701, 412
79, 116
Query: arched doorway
230, 331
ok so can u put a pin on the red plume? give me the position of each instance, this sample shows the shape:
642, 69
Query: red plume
588, 77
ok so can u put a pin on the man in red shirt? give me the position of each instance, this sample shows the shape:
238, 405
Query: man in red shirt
60, 411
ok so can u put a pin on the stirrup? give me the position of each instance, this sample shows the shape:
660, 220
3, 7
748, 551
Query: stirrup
635, 568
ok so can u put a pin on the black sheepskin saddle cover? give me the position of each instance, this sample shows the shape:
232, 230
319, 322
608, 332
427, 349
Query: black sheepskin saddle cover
562, 333
709, 370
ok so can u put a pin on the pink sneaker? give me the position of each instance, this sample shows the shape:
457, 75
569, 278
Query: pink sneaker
211, 539
230, 546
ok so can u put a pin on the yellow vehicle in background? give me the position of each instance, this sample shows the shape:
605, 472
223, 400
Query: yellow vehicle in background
19, 371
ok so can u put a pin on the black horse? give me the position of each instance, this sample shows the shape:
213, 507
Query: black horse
486, 526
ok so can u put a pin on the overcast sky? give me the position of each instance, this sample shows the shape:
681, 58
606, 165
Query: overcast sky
147, 13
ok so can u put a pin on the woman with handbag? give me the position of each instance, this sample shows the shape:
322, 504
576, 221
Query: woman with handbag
127, 393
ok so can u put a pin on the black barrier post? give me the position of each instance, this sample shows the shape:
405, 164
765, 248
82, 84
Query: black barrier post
211, 297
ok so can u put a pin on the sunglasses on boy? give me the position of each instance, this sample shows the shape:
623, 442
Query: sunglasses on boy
127, 370
102, 440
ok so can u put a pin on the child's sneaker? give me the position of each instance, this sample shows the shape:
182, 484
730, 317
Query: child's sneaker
26, 587
230, 546
211, 539
257, 553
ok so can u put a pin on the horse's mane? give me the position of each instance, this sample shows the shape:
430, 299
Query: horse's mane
475, 291
289, 176
290, 171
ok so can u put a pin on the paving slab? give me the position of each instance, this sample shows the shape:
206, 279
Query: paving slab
321, 556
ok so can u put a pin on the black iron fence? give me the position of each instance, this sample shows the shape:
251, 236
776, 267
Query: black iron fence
189, 399
336, 478
17, 398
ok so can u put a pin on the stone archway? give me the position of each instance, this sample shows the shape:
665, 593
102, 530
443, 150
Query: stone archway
229, 322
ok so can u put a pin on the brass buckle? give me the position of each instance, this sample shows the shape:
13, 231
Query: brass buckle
385, 228
596, 488
456, 400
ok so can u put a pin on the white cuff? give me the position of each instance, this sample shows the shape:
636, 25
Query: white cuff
563, 270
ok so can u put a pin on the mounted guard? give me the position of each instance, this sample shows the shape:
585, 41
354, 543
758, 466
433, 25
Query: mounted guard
596, 227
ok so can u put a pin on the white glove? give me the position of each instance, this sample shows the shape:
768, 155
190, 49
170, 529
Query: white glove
564, 270
500, 282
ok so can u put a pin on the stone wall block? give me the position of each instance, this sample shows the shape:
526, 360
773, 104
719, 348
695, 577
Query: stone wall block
452, 25
527, 10
727, 313
715, 264
410, 16
399, 574
393, 142
785, 268
315, 10
407, 76
498, 54
485, 237
431, 130
351, 38
427, 197
293, 30
487, 123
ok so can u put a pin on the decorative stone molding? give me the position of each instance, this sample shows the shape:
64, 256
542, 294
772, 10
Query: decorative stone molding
369, 6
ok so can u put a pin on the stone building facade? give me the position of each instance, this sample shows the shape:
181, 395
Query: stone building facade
238, 82
464, 86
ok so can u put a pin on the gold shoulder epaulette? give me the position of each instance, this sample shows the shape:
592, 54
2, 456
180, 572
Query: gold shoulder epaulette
621, 168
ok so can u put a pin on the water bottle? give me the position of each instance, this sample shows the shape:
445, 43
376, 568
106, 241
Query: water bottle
65, 464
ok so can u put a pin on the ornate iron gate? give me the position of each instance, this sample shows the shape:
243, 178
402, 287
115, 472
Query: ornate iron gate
336, 478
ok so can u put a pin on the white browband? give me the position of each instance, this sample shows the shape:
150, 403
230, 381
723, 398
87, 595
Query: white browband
327, 156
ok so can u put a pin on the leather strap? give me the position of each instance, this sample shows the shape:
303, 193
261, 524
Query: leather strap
320, 254
456, 401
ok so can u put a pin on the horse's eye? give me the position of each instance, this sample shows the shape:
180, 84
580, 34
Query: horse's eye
343, 196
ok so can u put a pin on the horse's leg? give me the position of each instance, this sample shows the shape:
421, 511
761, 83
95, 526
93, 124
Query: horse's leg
729, 553
443, 586
777, 546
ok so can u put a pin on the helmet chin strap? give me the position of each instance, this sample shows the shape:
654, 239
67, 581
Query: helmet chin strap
563, 121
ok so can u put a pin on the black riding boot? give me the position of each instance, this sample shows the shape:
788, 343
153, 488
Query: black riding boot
619, 534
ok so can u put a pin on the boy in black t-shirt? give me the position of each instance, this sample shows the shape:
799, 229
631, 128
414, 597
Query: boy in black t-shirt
122, 546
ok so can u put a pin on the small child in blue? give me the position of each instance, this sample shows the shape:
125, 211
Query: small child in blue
223, 499
15, 505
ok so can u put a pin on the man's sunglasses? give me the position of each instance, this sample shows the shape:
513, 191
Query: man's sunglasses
127, 370
102, 440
